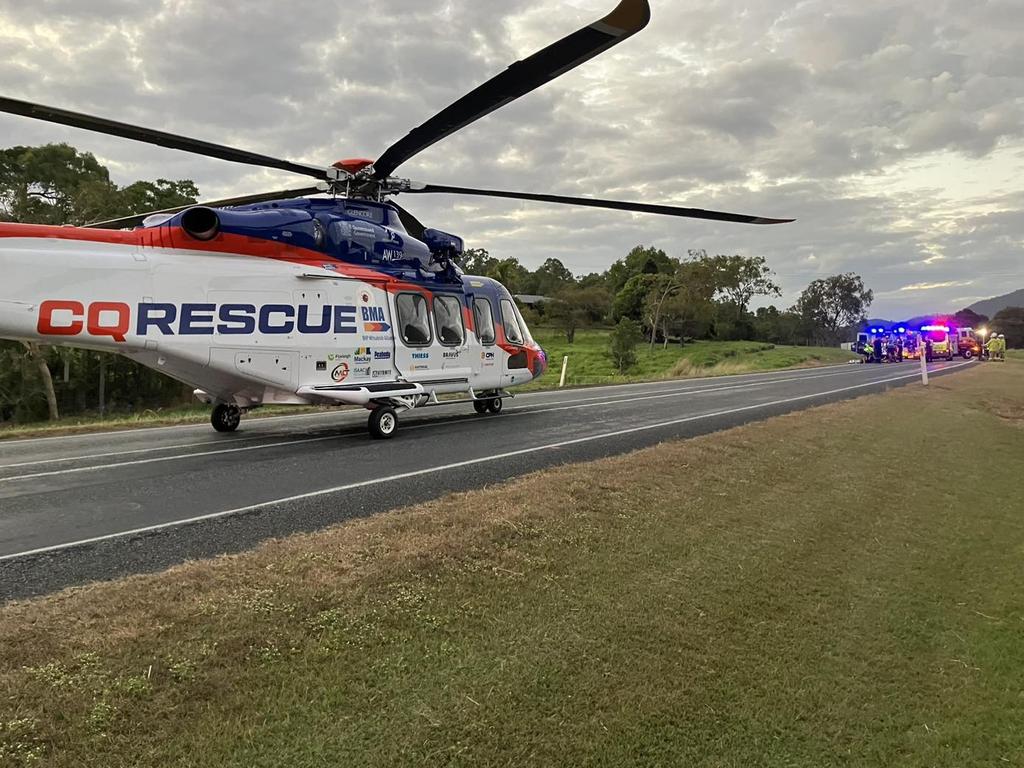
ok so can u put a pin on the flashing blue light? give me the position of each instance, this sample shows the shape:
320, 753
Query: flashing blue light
902, 329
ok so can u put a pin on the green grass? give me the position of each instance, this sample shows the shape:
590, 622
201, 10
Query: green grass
838, 587
589, 362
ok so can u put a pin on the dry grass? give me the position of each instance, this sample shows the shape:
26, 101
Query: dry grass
794, 592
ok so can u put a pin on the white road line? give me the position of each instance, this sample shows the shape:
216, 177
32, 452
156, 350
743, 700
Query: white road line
456, 465
148, 449
144, 430
541, 408
159, 459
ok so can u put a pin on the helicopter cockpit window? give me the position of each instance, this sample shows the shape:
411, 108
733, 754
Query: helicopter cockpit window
483, 319
412, 319
448, 317
513, 333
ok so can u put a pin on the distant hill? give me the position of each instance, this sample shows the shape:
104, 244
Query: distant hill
989, 307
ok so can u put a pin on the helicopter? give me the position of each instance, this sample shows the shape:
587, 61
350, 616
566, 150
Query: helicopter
291, 297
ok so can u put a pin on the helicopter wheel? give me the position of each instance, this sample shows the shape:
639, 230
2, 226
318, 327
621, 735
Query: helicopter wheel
383, 422
494, 405
480, 406
226, 418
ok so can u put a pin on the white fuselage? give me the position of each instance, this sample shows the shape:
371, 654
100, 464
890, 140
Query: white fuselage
241, 329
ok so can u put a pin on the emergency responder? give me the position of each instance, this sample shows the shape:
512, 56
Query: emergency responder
1002, 348
992, 346
865, 349
878, 349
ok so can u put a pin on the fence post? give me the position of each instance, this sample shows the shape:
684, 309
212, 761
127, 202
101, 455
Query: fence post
924, 368
565, 365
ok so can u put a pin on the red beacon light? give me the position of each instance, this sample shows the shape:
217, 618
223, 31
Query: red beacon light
353, 165
943, 328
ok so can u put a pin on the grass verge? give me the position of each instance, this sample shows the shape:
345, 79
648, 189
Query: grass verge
589, 362
834, 587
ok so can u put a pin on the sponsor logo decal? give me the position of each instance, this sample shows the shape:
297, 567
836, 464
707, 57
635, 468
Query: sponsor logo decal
374, 320
451, 354
321, 365
381, 355
381, 374
361, 372
116, 320
340, 372
486, 355
420, 355
420, 367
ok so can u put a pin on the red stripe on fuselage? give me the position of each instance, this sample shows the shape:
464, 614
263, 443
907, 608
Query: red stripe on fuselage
175, 238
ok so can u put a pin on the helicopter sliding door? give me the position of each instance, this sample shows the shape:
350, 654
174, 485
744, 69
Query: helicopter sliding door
430, 340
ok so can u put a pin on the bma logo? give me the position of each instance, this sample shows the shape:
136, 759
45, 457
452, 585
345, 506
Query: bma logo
373, 315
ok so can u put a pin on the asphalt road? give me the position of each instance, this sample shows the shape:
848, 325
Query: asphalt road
86, 507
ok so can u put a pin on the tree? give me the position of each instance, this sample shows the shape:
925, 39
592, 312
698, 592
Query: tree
477, 261
622, 344
1010, 323
968, 318
510, 273
629, 301
550, 278
50, 184
738, 278
639, 261
662, 288
831, 303
575, 307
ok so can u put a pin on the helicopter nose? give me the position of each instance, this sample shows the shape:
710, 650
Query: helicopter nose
540, 362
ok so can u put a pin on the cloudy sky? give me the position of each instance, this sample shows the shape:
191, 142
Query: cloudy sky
893, 131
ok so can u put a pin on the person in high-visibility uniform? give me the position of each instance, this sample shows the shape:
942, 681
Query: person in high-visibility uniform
992, 346
1002, 347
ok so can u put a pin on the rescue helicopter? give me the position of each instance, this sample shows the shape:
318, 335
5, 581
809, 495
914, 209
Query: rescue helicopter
293, 297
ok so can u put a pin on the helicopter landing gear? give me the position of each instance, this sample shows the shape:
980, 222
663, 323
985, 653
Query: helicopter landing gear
383, 422
225, 417
487, 404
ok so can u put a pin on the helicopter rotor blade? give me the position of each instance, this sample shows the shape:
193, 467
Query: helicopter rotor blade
127, 222
620, 205
159, 138
628, 18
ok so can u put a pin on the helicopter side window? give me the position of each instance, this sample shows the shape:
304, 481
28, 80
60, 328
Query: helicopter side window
513, 333
448, 318
483, 319
412, 319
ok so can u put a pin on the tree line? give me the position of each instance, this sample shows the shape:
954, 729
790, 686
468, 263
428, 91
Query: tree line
700, 296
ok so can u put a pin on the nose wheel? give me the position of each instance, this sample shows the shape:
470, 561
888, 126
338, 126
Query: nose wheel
383, 422
226, 418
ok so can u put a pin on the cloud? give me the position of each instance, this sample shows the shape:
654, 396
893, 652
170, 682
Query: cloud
894, 131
